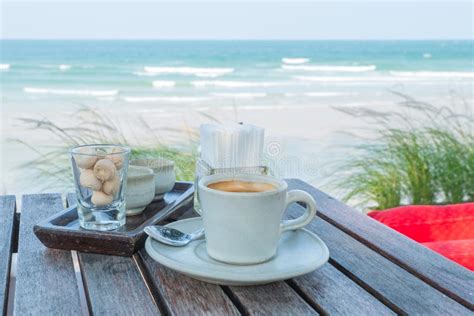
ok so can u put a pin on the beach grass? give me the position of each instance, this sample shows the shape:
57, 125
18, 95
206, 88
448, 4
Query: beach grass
421, 154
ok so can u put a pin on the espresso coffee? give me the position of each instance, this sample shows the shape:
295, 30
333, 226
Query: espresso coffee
242, 186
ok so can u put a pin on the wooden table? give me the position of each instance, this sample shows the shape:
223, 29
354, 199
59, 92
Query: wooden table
373, 270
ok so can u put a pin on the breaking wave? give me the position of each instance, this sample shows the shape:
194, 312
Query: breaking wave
94, 93
328, 68
433, 74
163, 83
294, 61
64, 67
237, 84
240, 95
174, 99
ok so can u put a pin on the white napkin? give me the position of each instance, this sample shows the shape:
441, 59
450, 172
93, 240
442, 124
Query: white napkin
230, 146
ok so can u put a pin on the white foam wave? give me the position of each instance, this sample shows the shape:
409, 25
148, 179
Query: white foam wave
328, 68
189, 71
4, 66
353, 79
294, 61
174, 99
433, 74
95, 93
241, 95
237, 84
208, 75
324, 94
65, 67
163, 83
319, 94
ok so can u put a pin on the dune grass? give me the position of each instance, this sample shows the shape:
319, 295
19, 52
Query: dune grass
49, 168
421, 154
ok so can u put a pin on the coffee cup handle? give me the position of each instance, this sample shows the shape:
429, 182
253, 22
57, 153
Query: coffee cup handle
307, 217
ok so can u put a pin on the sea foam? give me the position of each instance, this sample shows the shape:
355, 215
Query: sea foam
94, 93
4, 66
237, 84
319, 94
433, 74
163, 83
240, 95
328, 68
326, 94
353, 79
294, 61
189, 71
64, 67
174, 99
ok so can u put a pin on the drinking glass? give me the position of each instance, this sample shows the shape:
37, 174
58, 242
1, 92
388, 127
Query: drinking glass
100, 177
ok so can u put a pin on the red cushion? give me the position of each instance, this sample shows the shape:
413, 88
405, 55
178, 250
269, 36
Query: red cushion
460, 251
427, 223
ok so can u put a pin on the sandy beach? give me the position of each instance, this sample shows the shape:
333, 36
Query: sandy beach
296, 137
301, 141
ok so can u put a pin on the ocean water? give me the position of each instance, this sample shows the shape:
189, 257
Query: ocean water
36, 75
287, 86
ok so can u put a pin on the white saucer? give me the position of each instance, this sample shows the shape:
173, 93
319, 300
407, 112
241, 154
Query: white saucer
299, 252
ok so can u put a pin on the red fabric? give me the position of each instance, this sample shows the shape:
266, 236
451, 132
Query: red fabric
446, 229
460, 251
427, 223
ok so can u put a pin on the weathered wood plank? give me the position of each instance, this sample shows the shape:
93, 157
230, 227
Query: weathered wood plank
7, 219
114, 284
45, 281
443, 274
336, 294
271, 299
182, 295
397, 288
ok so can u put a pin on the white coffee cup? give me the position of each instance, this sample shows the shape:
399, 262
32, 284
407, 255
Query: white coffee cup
245, 227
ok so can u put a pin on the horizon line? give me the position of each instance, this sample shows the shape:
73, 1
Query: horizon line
234, 39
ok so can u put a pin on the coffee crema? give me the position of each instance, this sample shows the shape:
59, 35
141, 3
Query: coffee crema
242, 186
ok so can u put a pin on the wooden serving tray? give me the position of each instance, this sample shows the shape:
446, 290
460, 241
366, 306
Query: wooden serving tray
62, 231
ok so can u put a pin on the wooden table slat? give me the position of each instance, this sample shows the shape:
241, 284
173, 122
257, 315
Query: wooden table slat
401, 290
45, 281
185, 296
115, 286
112, 279
336, 294
276, 298
372, 270
330, 289
445, 275
7, 219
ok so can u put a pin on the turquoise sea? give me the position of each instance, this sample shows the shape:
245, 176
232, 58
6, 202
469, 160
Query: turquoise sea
289, 87
38, 74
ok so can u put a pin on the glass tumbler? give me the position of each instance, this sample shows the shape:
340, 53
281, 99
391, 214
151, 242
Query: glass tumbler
100, 177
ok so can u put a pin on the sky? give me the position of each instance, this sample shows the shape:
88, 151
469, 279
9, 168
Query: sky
306, 20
